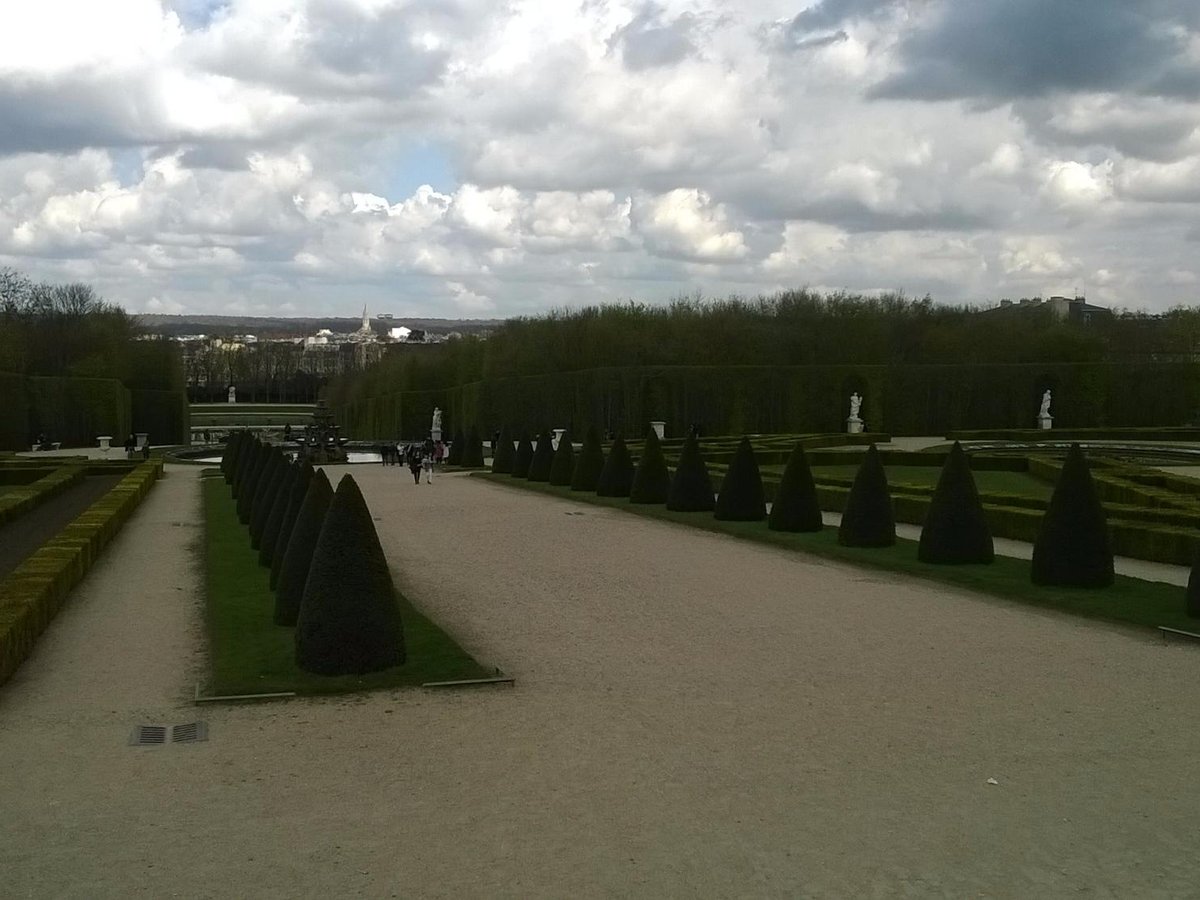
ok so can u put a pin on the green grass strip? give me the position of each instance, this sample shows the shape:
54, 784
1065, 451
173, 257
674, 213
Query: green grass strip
1129, 601
249, 654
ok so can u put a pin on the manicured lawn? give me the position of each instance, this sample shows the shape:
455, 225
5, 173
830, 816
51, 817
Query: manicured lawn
1129, 600
249, 654
1018, 483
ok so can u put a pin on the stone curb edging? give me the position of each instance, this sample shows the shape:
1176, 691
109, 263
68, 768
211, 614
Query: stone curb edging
32, 594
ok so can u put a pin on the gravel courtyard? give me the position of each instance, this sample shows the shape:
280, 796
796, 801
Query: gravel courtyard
693, 716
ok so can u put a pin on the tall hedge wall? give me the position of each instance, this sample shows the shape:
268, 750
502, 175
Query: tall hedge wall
76, 410
162, 414
901, 399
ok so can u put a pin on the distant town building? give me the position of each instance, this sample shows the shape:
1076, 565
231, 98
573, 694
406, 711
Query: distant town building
1069, 309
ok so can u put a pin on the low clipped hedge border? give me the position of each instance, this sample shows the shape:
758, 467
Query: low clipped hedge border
33, 593
17, 501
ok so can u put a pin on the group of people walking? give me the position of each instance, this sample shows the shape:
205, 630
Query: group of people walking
421, 458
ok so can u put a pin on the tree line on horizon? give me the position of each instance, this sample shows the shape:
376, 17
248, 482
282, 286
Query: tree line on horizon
790, 328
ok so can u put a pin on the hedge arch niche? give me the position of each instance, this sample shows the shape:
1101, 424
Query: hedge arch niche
349, 622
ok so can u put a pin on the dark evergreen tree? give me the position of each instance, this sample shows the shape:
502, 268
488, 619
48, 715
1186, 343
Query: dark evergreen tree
691, 486
956, 530
651, 479
741, 497
1072, 548
503, 453
251, 482
293, 574
270, 532
522, 458
868, 520
616, 478
543, 458
589, 464
457, 445
796, 507
472, 457
264, 497
304, 477
562, 468
229, 458
349, 622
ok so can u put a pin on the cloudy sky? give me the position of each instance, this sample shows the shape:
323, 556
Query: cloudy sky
485, 158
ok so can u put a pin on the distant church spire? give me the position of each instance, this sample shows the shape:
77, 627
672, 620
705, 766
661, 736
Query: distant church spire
366, 322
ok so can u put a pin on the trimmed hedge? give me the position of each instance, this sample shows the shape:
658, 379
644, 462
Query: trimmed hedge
33, 593
504, 453
472, 456
1072, 547
652, 480
867, 520
589, 464
691, 486
163, 415
293, 574
956, 529
1192, 594
295, 500
252, 481
741, 496
457, 444
523, 458
279, 503
796, 507
562, 468
349, 623
616, 478
543, 458
15, 502
264, 497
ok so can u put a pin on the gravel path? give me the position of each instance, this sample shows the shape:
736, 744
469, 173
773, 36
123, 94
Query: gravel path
693, 716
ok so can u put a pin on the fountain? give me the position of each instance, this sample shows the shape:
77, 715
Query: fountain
321, 443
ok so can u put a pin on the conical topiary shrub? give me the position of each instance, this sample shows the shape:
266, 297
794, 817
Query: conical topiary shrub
270, 532
293, 574
522, 457
349, 623
651, 480
589, 463
472, 456
229, 458
264, 497
867, 520
955, 529
1192, 595
741, 497
543, 458
251, 481
796, 507
245, 462
562, 468
691, 486
457, 445
304, 477
1072, 548
616, 478
503, 453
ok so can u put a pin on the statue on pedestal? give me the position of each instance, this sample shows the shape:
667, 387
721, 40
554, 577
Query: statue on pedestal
232, 394
1045, 410
436, 427
855, 405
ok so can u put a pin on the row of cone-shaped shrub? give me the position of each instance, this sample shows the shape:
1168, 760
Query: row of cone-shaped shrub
328, 570
1072, 547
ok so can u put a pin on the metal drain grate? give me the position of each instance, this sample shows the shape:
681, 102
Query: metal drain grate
157, 735
189, 733
149, 736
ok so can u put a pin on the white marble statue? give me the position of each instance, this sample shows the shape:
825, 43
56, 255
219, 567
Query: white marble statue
855, 405
1044, 412
232, 394
437, 421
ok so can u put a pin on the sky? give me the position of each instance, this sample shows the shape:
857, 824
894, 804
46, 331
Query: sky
477, 158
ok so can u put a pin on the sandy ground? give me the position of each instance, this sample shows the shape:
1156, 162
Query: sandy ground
694, 716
